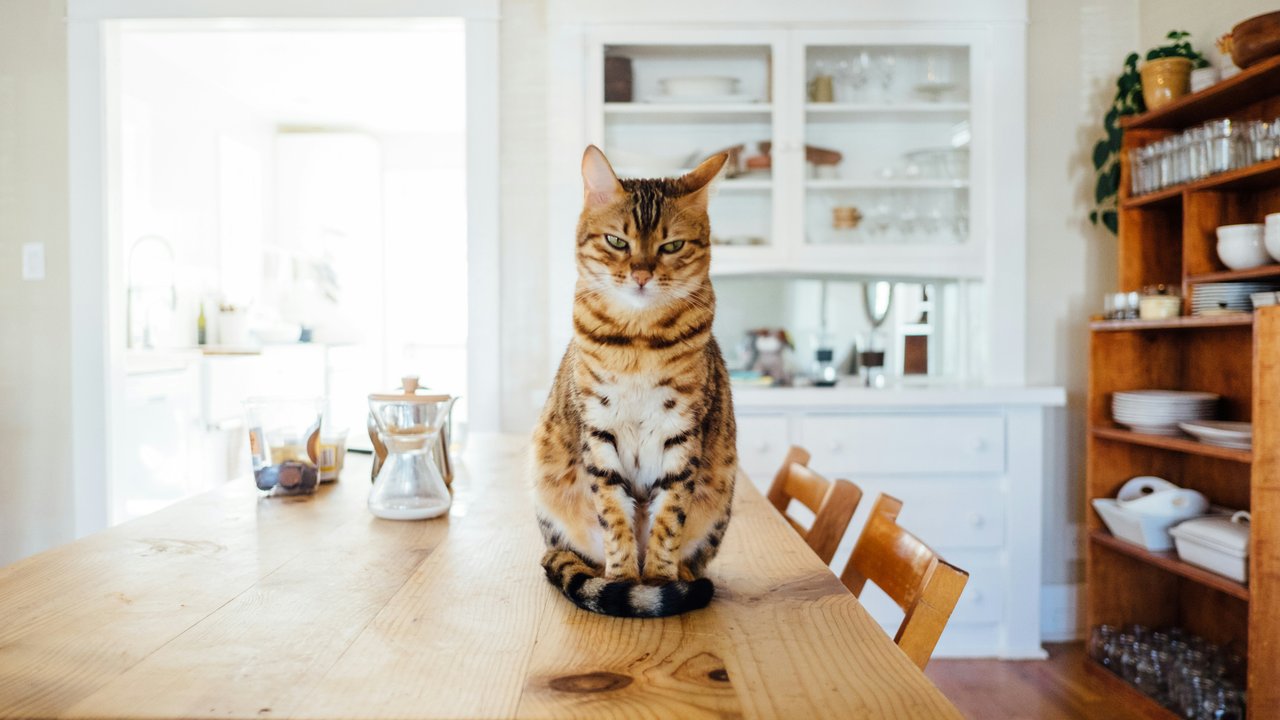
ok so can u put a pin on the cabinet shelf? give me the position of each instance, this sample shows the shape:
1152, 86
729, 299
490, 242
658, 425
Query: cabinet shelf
928, 184
1259, 175
830, 112
689, 112
748, 184
1190, 322
1266, 271
1218, 100
1127, 695
1169, 562
1177, 444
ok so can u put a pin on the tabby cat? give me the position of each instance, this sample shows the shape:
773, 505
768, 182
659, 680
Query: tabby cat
635, 451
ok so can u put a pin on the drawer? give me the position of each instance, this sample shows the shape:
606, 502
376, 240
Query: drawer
904, 443
953, 520
762, 444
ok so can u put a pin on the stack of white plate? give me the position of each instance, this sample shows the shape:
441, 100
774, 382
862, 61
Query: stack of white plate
1158, 412
1217, 298
1221, 432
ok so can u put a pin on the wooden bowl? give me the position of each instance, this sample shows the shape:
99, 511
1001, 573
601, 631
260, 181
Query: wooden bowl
1255, 39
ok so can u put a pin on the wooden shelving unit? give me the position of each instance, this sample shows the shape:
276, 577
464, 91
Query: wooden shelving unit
1169, 237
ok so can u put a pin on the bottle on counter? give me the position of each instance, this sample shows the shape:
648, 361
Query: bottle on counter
201, 328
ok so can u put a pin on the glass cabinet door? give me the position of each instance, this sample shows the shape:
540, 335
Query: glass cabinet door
886, 144
667, 106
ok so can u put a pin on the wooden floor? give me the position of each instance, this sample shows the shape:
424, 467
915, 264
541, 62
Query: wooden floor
1053, 689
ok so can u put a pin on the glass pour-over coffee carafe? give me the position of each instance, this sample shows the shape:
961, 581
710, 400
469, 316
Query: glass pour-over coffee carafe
409, 485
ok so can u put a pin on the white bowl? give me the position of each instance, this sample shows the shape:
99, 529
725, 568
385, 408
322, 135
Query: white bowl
1271, 237
1240, 247
699, 85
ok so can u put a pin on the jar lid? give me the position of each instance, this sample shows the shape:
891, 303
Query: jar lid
411, 392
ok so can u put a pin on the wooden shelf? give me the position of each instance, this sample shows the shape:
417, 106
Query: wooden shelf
1219, 100
1169, 562
1259, 175
1266, 271
1114, 686
1177, 444
1190, 322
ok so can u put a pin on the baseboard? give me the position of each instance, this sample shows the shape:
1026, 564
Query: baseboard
1061, 619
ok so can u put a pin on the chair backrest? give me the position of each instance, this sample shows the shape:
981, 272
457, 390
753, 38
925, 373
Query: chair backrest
924, 585
832, 503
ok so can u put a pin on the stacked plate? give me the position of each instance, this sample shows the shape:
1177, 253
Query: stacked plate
1158, 412
1237, 435
1218, 298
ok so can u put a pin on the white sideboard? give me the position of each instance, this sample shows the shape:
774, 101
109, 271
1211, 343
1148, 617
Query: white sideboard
968, 464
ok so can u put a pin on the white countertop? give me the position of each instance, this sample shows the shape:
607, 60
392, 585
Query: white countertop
747, 398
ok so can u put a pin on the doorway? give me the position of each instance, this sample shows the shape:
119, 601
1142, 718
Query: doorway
300, 194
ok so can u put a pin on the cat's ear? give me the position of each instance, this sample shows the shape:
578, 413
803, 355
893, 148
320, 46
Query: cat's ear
600, 185
700, 182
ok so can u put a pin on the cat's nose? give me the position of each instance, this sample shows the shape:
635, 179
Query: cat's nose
642, 276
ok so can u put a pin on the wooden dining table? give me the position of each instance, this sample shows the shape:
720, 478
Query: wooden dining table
234, 605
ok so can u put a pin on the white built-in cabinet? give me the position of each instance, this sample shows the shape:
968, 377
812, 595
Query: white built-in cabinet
953, 218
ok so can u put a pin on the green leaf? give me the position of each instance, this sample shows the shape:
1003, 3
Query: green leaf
1101, 152
1112, 221
1102, 189
1093, 216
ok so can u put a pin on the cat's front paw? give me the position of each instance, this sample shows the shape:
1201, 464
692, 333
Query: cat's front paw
659, 576
623, 571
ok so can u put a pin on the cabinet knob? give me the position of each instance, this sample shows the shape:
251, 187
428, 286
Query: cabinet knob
835, 446
976, 520
762, 446
978, 445
975, 596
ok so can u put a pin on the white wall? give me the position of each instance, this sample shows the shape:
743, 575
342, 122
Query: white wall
35, 328
522, 108
1206, 21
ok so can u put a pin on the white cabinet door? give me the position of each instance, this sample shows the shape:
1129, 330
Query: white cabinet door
155, 444
762, 444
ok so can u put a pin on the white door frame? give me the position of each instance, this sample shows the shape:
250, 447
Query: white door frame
97, 294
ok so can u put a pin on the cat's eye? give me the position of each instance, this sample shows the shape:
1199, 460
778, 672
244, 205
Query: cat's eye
616, 242
673, 246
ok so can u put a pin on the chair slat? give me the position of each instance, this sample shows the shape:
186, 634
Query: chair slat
832, 503
908, 571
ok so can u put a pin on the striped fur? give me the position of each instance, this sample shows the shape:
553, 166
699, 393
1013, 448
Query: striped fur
634, 454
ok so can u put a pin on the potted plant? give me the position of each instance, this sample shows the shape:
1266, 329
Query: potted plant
1131, 87
1166, 75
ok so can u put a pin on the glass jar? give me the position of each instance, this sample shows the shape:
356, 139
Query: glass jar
1099, 641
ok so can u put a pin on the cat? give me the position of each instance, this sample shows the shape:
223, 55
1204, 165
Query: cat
635, 452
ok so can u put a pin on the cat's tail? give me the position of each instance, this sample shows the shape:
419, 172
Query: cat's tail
582, 584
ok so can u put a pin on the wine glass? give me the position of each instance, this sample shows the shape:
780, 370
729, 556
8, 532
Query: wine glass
884, 68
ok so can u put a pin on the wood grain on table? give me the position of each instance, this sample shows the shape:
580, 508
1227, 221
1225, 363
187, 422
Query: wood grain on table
234, 606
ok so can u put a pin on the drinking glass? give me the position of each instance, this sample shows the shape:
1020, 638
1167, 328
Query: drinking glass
1221, 136
1257, 143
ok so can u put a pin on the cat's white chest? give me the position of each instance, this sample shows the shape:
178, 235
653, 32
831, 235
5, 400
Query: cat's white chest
637, 417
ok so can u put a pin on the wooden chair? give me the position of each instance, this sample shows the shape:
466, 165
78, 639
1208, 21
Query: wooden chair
924, 585
832, 503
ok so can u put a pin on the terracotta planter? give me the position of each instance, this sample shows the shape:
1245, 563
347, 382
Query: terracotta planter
1165, 80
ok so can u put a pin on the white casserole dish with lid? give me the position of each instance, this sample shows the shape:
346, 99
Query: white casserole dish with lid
1219, 544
